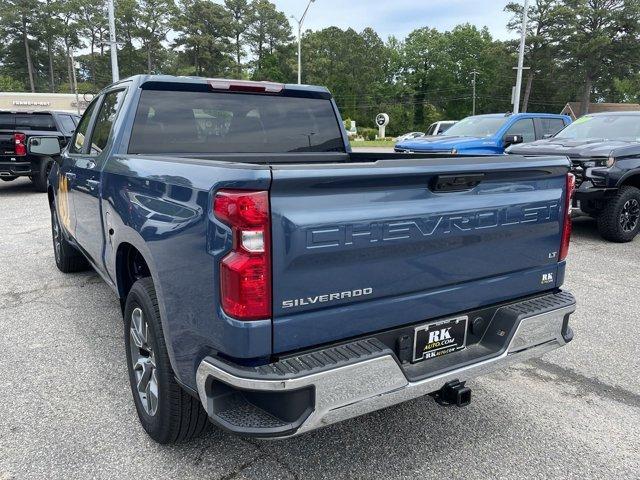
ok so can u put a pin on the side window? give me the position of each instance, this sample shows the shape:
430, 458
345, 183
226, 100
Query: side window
104, 120
551, 126
66, 124
77, 143
523, 127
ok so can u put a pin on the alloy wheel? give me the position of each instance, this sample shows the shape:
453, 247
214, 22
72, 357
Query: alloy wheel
143, 361
630, 215
57, 239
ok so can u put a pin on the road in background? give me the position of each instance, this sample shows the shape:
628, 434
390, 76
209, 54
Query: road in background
66, 410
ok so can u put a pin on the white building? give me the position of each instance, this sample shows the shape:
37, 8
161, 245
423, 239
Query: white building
25, 101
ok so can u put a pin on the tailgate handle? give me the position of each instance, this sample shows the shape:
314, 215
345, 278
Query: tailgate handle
456, 183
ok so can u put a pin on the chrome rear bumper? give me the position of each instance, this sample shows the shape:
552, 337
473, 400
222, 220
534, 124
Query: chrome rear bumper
359, 387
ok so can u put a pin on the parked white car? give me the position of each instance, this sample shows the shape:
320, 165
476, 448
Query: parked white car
409, 136
438, 128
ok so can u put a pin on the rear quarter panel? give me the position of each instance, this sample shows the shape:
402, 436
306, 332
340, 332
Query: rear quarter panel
162, 207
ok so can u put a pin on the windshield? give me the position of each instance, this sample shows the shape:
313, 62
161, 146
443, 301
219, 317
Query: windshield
476, 127
608, 127
445, 127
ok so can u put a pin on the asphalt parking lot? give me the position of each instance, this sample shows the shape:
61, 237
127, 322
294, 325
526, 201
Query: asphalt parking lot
66, 411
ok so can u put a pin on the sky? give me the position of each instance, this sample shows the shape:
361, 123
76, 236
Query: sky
399, 17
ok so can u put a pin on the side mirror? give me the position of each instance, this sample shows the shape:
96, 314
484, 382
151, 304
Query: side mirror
513, 139
49, 146
546, 136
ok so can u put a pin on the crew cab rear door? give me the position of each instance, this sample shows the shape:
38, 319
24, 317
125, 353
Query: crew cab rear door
358, 248
86, 170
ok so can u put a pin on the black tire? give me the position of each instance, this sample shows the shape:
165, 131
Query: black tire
619, 221
178, 416
40, 178
68, 258
8, 179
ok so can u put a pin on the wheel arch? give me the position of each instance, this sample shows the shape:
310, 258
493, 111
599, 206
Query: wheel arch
51, 196
131, 265
631, 179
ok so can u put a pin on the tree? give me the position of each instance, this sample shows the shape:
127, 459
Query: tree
16, 26
241, 15
352, 65
50, 30
426, 66
93, 25
153, 25
540, 43
268, 30
204, 30
598, 41
131, 60
9, 84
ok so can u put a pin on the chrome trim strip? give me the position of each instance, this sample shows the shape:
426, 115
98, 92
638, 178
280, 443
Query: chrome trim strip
353, 390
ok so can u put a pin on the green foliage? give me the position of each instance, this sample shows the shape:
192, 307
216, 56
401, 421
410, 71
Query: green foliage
204, 30
8, 84
368, 133
577, 50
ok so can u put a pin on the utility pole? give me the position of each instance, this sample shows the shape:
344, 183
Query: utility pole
523, 37
113, 44
473, 82
74, 80
300, 22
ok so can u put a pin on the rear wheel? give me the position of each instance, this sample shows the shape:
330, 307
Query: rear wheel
40, 178
619, 221
8, 179
68, 259
167, 413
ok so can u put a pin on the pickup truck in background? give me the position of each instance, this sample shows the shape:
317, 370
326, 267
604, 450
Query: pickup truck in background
274, 282
487, 134
15, 130
604, 150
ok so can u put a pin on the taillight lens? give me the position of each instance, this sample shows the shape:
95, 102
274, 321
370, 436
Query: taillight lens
20, 144
245, 273
566, 227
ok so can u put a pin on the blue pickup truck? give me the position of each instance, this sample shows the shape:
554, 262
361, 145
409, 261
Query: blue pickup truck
273, 282
488, 134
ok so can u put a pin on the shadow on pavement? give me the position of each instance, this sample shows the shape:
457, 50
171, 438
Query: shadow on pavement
17, 187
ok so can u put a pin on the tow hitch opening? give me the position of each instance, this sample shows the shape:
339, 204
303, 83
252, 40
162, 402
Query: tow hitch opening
453, 393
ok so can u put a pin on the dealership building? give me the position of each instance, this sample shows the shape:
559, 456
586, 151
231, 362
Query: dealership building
24, 101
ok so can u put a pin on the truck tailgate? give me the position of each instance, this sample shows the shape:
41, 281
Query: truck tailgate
6, 143
361, 248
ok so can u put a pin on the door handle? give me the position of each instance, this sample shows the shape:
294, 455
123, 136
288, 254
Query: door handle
70, 176
93, 184
456, 183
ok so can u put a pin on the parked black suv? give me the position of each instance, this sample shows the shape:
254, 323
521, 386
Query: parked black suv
604, 149
15, 130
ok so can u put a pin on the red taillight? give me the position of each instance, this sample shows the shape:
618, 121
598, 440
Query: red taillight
20, 144
566, 227
245, 273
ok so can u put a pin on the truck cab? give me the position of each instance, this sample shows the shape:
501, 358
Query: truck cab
488, 134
